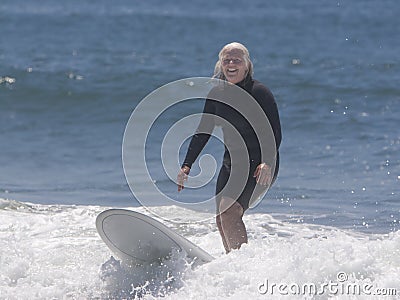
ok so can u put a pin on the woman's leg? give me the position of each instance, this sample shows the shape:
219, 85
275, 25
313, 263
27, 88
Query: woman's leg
229, 213
221, 232
230, 224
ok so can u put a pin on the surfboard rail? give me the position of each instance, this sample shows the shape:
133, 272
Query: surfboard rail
139, 239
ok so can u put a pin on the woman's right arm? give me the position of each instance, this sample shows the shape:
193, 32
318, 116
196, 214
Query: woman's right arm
198, 141
202, 135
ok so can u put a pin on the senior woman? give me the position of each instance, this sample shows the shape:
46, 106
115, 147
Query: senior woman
235, 68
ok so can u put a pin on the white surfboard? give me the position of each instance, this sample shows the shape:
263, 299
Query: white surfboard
138, 239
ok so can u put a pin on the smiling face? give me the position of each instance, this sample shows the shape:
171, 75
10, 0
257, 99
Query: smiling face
233, 65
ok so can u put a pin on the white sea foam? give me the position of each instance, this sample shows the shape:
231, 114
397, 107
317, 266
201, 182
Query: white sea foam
53, 251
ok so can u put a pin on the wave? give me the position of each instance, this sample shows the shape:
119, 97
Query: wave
54, 251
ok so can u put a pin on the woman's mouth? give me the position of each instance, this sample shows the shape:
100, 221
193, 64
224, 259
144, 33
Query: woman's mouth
232, 71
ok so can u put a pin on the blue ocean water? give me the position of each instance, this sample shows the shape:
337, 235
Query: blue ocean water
71, 74
73, 71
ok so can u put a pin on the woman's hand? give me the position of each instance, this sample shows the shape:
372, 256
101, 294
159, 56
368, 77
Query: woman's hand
263, 174
182, 176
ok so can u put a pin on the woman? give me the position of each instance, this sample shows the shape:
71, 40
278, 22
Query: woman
235, 67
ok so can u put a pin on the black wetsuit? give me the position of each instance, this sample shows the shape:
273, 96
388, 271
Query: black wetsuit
224, 111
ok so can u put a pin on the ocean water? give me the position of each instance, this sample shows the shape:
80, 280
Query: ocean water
71, 74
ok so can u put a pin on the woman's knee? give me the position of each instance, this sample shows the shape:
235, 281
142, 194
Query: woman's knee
230, 209
218, 220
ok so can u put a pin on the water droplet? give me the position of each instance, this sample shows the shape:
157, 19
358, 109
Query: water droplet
296, 61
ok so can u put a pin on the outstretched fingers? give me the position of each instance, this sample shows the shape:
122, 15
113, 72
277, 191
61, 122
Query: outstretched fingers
182, 177
263, 174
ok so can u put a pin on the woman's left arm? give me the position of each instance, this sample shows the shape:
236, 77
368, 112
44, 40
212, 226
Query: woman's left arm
265, 98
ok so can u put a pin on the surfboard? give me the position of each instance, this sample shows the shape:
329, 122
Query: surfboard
138, 239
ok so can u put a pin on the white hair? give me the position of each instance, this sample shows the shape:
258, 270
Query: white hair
218, 73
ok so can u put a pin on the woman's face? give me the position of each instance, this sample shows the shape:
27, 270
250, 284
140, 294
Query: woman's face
234, 66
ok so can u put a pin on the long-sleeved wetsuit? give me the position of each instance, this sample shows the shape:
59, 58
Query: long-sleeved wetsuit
218, 113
